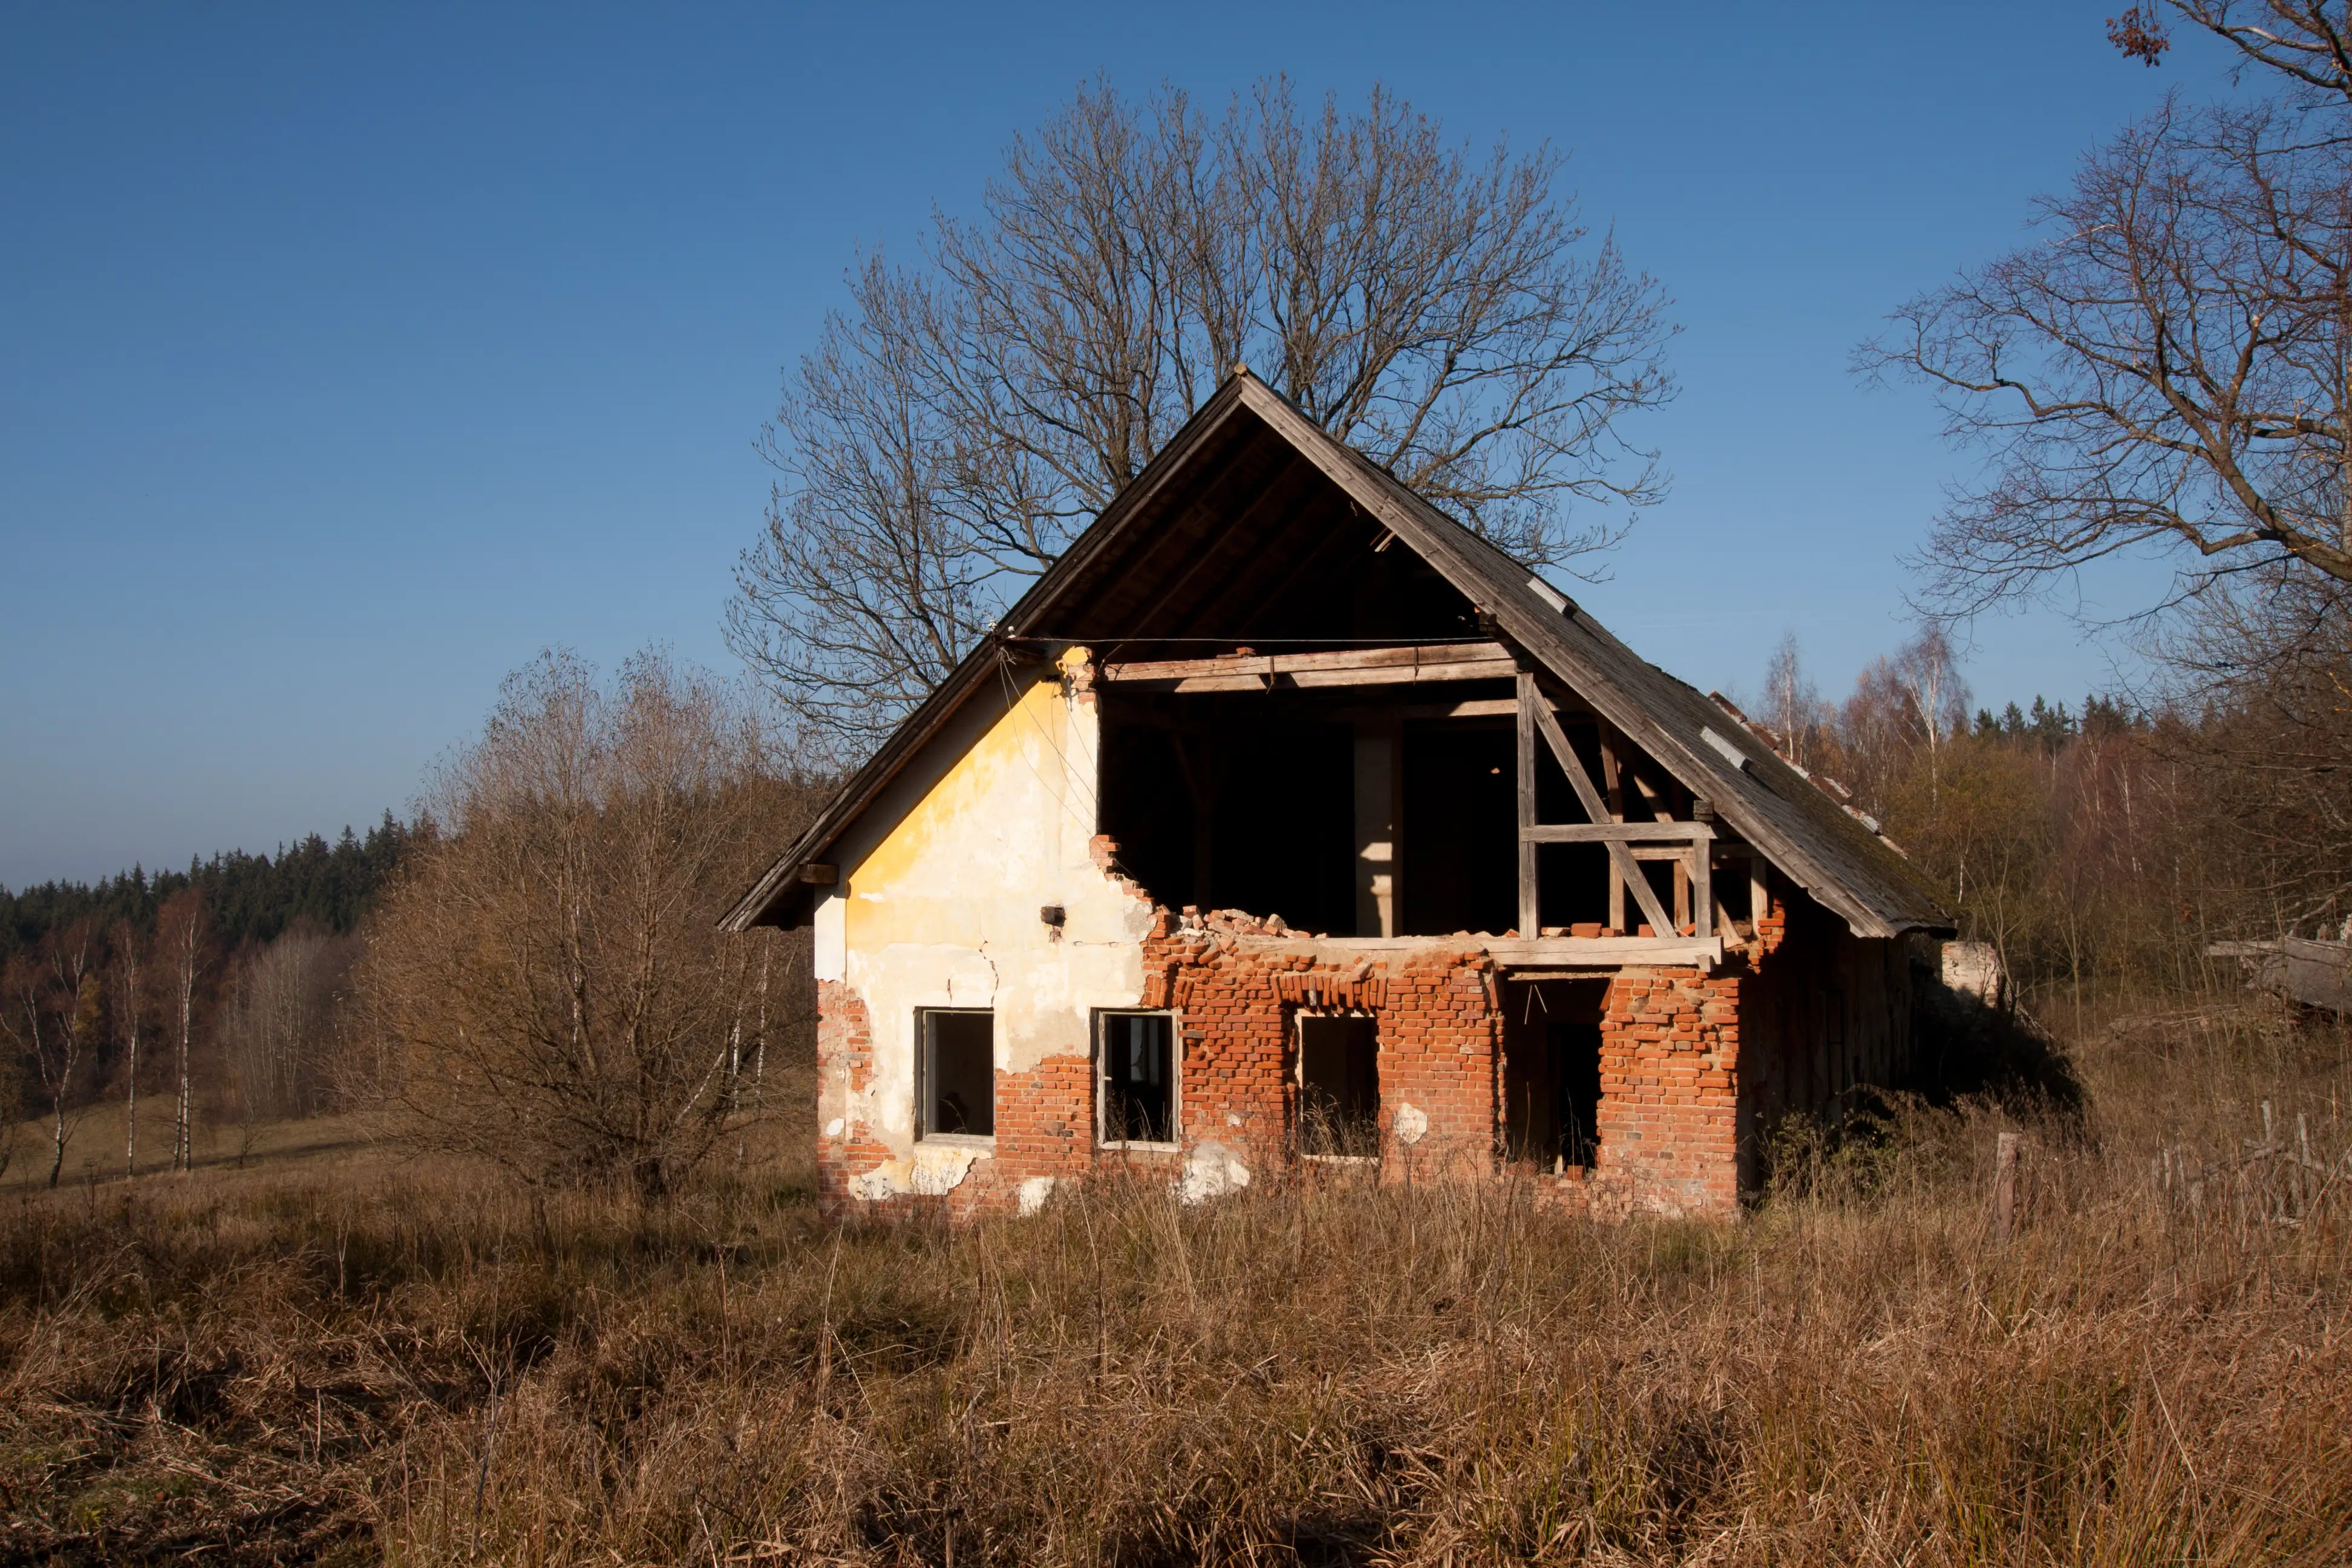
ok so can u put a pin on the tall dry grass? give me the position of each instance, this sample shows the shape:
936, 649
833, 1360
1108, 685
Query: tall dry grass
422, 1368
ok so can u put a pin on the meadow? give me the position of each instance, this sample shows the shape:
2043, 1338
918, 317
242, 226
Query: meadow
337, 1355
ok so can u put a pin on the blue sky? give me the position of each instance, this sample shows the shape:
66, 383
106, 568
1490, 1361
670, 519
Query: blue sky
348, 357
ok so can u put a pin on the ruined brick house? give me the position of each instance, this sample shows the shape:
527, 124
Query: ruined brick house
1518, 902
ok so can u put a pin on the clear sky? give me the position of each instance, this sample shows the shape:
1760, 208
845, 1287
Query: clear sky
348, 356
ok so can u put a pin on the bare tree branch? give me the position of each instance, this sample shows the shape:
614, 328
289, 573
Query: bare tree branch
2165, 371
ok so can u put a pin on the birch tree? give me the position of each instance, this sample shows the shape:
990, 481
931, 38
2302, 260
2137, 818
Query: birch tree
183, 945
130, 1005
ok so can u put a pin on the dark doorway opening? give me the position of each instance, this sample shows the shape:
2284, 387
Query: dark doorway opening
1552, 1077
1338, 1084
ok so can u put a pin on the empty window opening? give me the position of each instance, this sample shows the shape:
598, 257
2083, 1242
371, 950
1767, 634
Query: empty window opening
1137, 1084
957, 1094
1338, 1085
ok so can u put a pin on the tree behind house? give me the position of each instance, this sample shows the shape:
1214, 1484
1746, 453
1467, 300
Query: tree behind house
1444, 311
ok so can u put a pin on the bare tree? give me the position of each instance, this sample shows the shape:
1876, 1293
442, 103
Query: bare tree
1929, 674
547, 962
182, 943
2166, 369
54, 1012
130, 1006
957, 426
2299, 39
24, 1013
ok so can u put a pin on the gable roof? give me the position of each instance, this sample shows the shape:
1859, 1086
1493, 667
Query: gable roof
1812, 840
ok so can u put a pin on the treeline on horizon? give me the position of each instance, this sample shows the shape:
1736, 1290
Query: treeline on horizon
249, 898
192, 999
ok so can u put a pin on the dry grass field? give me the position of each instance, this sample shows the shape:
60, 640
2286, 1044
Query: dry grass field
344, 1359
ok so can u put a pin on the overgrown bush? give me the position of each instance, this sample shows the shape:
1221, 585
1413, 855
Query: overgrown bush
545, 971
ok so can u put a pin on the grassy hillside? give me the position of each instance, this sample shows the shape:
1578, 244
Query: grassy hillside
322, 1361
94, 1147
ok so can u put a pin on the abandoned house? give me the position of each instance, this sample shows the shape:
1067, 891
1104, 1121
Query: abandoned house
1285, 820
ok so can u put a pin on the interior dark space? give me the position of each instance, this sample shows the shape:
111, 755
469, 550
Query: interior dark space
1460, 831
1230, 809
1551, 1071
1338, 1084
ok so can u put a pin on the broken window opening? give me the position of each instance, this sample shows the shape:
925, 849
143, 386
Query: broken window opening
955, 1095
1136, 1084
1338, 1086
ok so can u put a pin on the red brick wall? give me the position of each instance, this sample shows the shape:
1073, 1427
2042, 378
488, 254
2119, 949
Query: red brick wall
1044, 1123
1670, 1116
1669, 1094
844, 1057
1438, 1032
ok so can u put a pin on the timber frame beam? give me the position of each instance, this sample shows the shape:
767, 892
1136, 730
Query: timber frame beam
1344, 666
1693, 841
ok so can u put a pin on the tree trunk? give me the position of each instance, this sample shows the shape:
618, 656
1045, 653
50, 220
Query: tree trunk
183, 1154
130, 1075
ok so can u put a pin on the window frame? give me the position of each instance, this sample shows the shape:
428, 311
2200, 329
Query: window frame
925, 1043
1102, 1015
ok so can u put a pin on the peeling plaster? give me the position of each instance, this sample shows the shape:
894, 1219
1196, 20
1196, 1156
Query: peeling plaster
933, 1171
1412, 1122
1211, 1172
1035, 1192
942, 884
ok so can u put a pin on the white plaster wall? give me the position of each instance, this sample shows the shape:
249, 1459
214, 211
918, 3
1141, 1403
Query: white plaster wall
941, 889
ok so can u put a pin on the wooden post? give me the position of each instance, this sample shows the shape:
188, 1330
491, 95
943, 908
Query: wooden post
1530, 902
2004, 1187
1702, 871
1614, 785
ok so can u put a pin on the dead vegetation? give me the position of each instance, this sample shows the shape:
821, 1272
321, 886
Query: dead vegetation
415, 1365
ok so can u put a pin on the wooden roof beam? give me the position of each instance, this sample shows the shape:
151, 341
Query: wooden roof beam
1344, 666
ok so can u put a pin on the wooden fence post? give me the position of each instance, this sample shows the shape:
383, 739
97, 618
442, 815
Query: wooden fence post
2004, 1187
